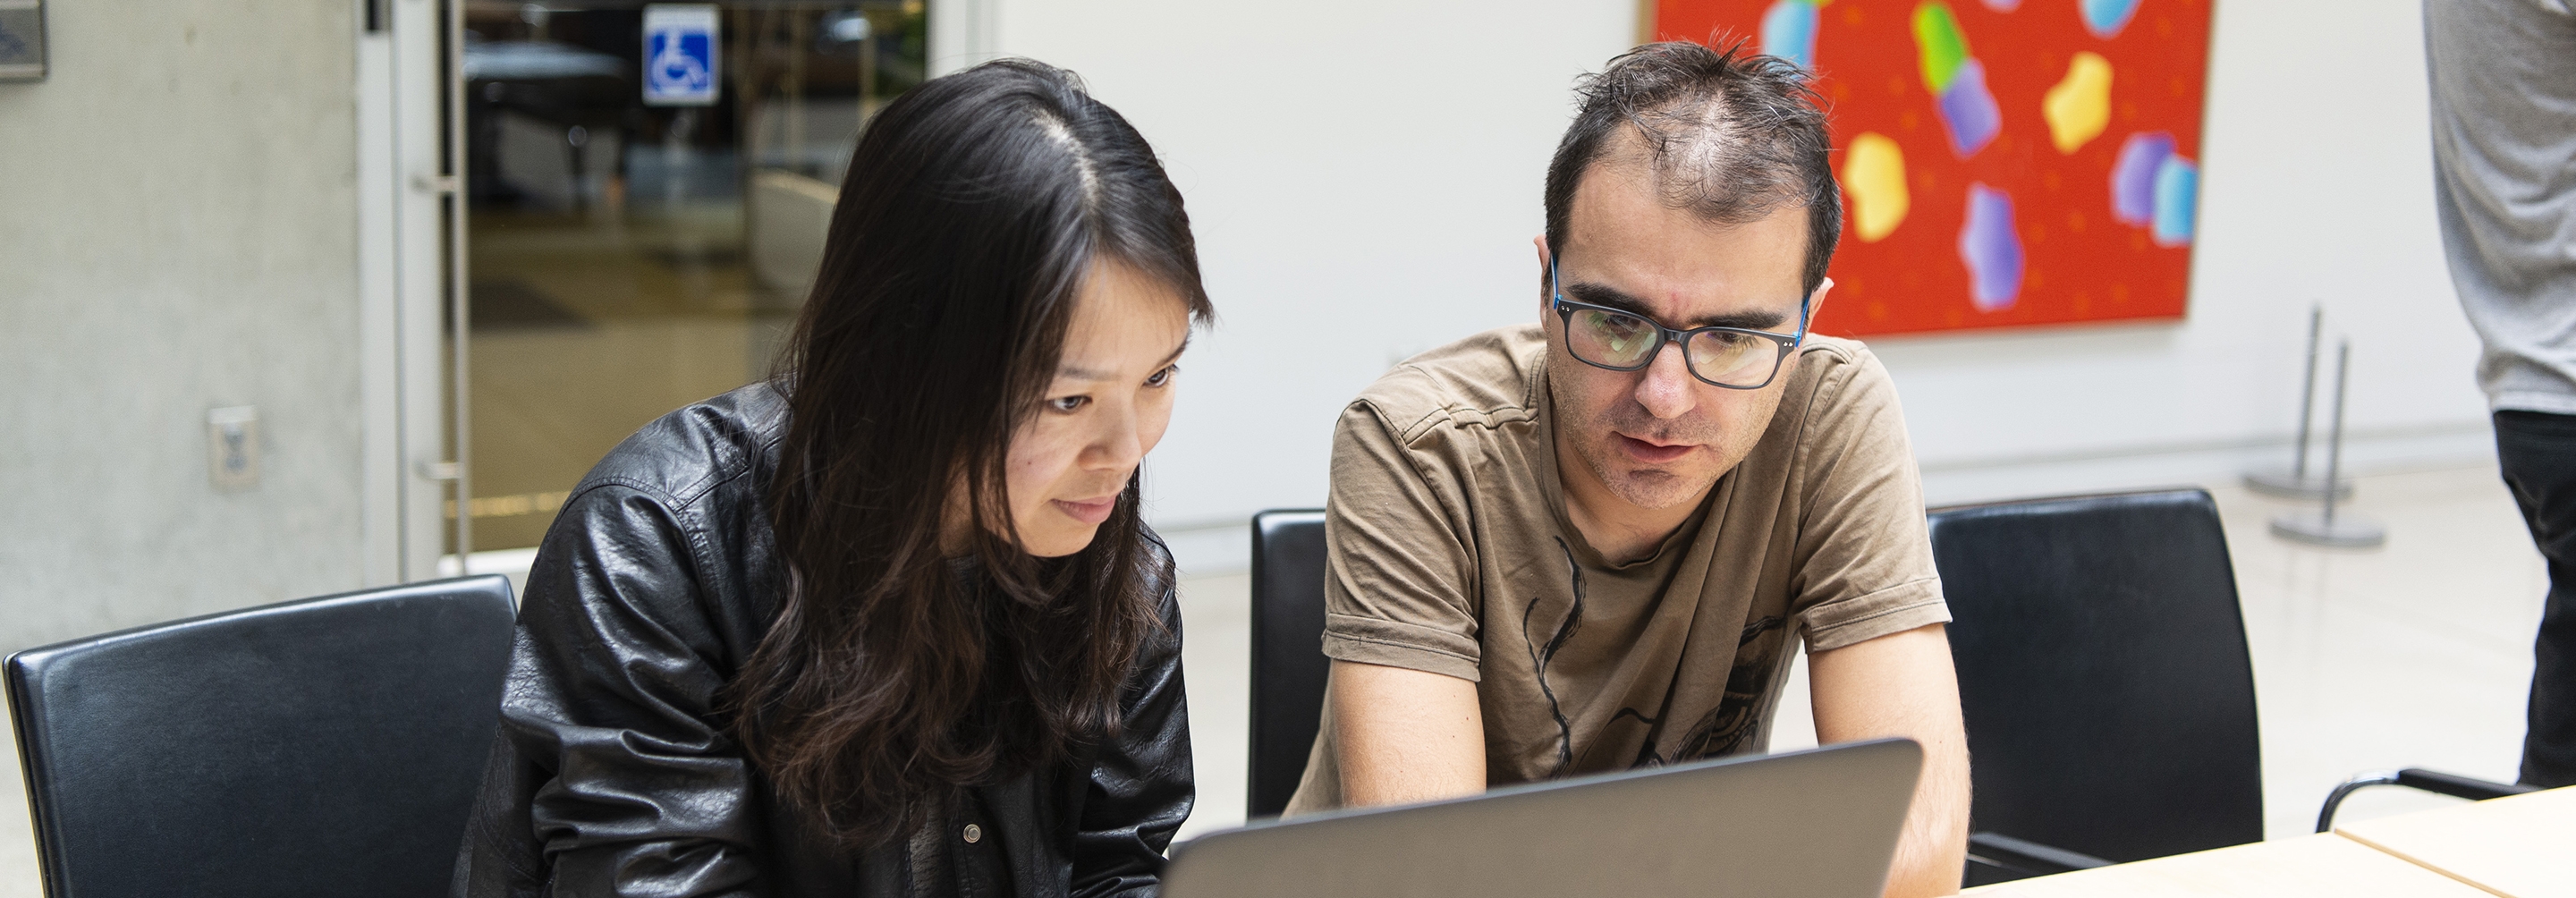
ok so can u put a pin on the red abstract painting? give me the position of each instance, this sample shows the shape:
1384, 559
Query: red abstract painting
2004, 163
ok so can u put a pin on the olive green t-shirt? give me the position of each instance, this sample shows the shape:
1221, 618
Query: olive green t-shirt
1449, 551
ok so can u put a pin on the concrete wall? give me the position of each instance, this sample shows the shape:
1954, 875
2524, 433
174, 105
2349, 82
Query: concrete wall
177, 233
1365, 181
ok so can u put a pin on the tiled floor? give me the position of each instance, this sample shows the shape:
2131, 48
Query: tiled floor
2418, 655
2415, 655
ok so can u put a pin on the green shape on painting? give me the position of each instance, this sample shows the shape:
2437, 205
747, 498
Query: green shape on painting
1939, 44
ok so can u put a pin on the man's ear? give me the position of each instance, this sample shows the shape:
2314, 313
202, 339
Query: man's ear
1816, 301
1540, 241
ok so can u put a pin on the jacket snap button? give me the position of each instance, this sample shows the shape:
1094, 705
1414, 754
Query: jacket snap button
974, 833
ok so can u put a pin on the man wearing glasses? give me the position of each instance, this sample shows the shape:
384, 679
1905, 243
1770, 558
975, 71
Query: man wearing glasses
1583, 545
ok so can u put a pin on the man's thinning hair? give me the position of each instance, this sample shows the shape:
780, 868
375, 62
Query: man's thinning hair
1732, 137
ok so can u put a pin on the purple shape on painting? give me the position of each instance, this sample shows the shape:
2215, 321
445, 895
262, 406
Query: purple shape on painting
1970, 111
2003, 5
1992, 249
2133, 177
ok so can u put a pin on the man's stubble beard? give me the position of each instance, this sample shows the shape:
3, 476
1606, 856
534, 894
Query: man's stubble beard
1652, 487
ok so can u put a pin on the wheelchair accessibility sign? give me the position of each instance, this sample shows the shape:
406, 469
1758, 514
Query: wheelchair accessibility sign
680, 43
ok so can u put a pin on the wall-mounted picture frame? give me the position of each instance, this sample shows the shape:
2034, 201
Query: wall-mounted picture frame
2004, 163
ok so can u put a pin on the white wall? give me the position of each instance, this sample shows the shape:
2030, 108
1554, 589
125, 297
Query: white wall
1365, 177
177, 232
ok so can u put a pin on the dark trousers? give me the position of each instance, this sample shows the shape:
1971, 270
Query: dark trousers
2539, 456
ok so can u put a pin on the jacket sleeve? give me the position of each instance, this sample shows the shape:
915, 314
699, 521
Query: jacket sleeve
1141, 782
610, 702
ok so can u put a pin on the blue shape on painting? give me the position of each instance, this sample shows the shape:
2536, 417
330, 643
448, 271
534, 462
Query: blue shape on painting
1969, 110
2177, 200
1991, 247
2134, 174
1789, 32
2105, 18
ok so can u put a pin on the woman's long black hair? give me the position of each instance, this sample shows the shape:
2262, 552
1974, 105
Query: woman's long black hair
975, 207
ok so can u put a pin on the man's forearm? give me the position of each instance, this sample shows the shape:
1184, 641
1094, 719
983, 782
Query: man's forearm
1902, 684
1933, 851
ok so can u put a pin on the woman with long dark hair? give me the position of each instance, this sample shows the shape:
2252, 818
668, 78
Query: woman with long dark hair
888, 624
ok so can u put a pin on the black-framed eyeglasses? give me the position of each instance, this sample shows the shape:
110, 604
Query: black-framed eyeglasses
1732, 357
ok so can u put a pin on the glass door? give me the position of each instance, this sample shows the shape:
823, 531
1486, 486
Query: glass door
641, 232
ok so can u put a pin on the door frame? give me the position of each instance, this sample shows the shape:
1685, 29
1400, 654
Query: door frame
410, 267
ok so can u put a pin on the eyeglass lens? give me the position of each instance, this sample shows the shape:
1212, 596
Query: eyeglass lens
1624, 341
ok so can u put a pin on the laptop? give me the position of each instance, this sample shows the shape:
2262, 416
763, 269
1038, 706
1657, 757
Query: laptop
1810, 824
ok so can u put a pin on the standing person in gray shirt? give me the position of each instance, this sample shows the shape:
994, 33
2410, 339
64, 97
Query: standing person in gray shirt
2504, 151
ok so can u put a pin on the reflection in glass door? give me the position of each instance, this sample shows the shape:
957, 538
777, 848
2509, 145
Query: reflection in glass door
627, 258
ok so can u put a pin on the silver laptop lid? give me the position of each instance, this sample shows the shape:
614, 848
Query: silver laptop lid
1810, 824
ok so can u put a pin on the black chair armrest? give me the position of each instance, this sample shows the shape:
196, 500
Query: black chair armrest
2433, 781
2025, 856
2458, 786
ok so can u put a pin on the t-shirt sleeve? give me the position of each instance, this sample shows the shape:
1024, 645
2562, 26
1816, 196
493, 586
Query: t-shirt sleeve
1865, 554
1399, 570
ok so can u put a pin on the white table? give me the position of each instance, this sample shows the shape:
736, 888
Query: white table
2518, 847
2323, 865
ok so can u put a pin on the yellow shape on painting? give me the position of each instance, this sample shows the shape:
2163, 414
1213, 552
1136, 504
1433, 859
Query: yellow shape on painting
1874, 175
2080, 105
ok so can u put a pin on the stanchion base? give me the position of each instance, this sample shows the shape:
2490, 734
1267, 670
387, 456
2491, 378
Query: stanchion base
2344, 532
2279, 482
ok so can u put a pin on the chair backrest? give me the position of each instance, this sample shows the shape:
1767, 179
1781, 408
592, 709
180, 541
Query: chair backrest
322, 747
2103, 673
1288, 663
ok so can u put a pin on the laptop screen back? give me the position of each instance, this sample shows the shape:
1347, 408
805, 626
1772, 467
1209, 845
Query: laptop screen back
1812, 824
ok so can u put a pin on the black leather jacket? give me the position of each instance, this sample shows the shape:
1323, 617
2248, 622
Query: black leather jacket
613, 775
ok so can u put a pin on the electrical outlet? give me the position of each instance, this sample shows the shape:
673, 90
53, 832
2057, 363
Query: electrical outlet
232, 447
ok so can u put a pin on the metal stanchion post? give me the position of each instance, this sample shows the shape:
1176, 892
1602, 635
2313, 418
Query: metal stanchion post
2295, 482
2322, 527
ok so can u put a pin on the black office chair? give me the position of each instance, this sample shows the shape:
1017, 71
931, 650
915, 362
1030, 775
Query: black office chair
1288, 663
2103, 672
322, 747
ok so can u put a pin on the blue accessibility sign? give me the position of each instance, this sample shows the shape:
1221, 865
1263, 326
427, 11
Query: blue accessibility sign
680, 41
